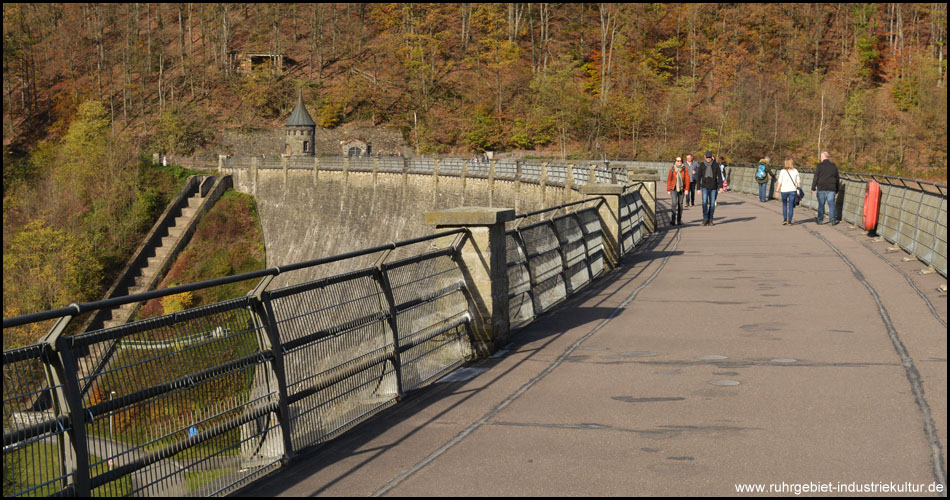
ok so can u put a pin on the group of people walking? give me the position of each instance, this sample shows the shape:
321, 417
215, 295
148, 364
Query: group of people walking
709, 176
684, 178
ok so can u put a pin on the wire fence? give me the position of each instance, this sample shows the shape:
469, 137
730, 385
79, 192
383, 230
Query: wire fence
554, 174
202, 401
554, 256
912, 213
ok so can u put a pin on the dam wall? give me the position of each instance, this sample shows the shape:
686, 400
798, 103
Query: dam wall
331, 206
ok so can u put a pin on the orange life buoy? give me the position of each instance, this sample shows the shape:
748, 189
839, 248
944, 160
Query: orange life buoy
872, 200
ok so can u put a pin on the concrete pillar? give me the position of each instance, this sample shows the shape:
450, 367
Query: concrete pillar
609, 218
485, 267
254, 161
647, 193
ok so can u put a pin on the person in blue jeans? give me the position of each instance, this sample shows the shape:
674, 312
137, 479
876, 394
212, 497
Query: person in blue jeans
787, 183
764, 181
692, 166
710, 180
825, 185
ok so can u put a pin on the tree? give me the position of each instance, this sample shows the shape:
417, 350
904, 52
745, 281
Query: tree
46, 268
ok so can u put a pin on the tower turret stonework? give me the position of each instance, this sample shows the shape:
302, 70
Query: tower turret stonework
300, 131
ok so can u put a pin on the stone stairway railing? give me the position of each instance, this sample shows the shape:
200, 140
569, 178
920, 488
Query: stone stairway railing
149, 273
170, 234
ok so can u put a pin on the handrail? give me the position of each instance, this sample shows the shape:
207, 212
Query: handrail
599, 199
75, 309
278, 362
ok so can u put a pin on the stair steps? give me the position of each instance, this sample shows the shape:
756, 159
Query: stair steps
121, 315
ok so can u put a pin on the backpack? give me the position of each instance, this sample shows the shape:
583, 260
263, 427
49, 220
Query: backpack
760, 173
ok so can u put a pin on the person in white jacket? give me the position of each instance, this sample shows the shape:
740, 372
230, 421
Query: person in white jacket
787, 183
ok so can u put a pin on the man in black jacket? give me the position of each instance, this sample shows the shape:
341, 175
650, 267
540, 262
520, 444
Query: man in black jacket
825, 184
710, 180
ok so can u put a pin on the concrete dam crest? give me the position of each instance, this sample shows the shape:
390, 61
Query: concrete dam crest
308, 214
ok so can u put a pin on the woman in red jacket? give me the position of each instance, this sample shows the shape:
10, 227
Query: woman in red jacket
677, 185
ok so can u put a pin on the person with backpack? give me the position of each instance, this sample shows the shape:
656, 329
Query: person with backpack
710, 180
677, 185
693, 167
788, 183
722, 167
825, 185
762, 175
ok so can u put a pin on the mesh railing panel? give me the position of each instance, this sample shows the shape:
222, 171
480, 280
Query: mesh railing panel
33, 433
337, 342
590, 226
581, 175
331, 163
557, 174
362, 163
481, 170
428, 292
422, 165
544, 265
391, 164
531, 173
451, 166
506, 171
520, 306
183, 401
573, 252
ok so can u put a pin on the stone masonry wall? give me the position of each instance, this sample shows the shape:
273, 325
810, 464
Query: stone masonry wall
307, 215
384, 141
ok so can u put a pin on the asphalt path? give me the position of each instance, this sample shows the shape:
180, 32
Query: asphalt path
796, 359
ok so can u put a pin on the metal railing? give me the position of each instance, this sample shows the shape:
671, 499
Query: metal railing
202, 401
552, 258
912, 213
576, 174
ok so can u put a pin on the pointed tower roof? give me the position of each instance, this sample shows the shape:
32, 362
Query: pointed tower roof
300, 117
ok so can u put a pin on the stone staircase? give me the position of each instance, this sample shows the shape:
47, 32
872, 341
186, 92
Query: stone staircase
147, 275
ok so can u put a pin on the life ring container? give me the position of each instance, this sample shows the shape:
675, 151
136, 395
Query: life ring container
872, 201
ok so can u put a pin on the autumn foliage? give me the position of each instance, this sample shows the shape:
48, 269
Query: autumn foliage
90, 88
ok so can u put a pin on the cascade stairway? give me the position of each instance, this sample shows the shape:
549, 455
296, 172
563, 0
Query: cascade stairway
122, 314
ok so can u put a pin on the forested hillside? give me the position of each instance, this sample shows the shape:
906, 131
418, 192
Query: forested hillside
865, 81
90, 89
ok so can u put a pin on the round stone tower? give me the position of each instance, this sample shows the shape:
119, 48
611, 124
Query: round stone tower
300, 130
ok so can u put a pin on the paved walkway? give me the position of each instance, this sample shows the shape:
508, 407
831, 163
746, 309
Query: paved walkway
743, 353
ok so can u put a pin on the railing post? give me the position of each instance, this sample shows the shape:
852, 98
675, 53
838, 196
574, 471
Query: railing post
382, 279
484, 264
609, 213
565, 277
263, 311
64, 372
648, 179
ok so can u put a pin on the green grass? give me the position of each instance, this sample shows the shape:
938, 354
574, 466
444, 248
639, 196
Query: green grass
39, 467
197, 479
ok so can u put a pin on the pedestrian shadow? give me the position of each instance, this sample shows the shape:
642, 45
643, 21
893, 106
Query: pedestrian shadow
737, 219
